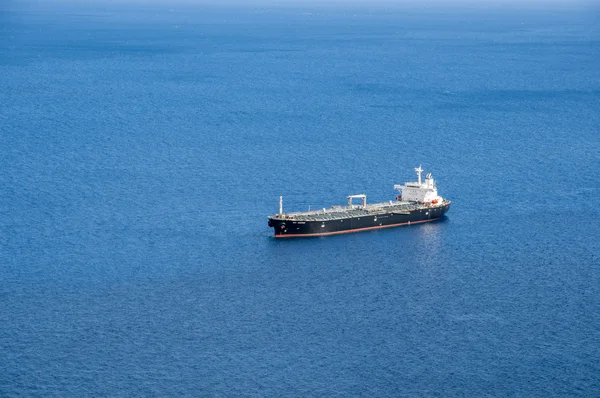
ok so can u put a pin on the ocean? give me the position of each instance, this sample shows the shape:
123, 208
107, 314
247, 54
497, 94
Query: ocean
143, 146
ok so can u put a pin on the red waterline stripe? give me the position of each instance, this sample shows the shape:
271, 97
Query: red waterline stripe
355, 230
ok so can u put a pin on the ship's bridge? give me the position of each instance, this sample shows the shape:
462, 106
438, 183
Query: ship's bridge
420, 191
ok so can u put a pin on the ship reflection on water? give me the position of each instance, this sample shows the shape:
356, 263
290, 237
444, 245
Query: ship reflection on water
429, 239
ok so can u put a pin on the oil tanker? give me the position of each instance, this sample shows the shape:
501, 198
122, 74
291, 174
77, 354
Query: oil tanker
418, 202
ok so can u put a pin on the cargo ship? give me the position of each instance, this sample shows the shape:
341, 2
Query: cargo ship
417, 202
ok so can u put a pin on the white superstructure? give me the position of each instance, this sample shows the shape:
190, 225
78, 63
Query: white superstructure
420, 191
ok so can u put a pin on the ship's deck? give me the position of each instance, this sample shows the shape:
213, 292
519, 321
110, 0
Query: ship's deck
344, 212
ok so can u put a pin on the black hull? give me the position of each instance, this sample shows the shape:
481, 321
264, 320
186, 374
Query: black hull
286, 228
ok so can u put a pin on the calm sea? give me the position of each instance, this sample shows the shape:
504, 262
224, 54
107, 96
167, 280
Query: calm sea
143, 147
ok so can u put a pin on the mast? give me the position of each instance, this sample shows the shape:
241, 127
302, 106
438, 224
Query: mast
419, 170
281, 205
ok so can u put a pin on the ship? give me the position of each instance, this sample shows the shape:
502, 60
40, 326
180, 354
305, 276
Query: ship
417, 202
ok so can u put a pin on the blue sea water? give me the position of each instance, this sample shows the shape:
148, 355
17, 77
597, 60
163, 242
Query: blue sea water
142, 148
